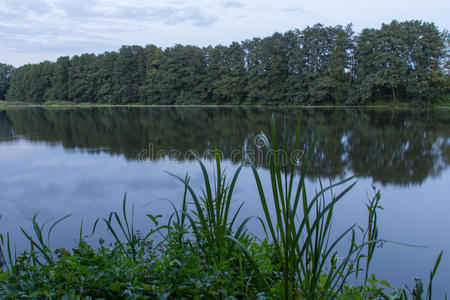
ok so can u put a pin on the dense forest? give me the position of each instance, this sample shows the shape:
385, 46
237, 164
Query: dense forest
402, 61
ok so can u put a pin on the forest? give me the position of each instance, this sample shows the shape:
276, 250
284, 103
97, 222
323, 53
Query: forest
400, 62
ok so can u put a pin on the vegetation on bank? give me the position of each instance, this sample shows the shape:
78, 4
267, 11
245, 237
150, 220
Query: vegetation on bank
206, 253
402, 61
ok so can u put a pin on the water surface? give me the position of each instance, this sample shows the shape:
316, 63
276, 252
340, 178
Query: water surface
82, 161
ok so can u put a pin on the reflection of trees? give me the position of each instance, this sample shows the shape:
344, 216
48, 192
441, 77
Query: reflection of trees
6, 128
406, 149
403, 151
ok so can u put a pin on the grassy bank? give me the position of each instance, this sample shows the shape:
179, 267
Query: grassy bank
203, 252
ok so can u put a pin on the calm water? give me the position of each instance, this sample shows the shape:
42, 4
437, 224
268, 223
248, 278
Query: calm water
81, 162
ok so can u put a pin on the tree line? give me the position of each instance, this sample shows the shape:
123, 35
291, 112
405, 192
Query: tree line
402, 61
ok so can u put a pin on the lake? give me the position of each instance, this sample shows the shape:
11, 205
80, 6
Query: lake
81, 161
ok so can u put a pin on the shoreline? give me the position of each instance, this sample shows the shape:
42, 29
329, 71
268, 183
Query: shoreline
5, 104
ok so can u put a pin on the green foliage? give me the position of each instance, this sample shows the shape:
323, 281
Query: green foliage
302, 240
182, 76
226, 74
134, 244
5, 76
401, 60
31, 83
406, 61
212, 219
373, 289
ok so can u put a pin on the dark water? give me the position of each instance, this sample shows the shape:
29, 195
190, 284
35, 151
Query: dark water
81, 162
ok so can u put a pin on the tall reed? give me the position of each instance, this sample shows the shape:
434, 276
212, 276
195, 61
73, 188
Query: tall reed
123, 225
41, 243
300, 227
212, 219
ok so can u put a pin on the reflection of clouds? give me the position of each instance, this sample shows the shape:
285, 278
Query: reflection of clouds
46, 179
49, 181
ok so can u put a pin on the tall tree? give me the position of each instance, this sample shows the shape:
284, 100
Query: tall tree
129, 73
400, 58
225, 74
104, 77
149, 91
426, 53
60, 80
5, 75
80, 87
183, 74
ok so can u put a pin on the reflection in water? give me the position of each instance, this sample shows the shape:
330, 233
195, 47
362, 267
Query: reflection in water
402, 148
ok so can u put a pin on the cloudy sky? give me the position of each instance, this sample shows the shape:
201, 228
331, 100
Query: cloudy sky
35, 30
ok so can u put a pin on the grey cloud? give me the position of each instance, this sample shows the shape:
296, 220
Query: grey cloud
73, 9
170, 15
95, 13
68, 26
60, 49
295, 10
198, 17
51, 34
240, 17
232, 4
23, 8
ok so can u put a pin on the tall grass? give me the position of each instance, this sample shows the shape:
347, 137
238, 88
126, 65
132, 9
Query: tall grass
300, 228
121, 226
40, 243
212, 219
6, 259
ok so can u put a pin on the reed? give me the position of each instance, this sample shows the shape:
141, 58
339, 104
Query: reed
211, 219
300, 227
132, 242
40, 243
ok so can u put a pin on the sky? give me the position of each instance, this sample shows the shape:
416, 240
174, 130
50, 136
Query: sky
36, 30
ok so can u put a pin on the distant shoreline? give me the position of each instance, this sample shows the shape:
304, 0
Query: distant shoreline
6, 104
